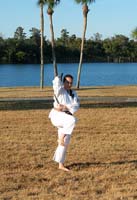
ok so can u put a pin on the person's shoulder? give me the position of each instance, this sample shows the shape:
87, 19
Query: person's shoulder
74, 91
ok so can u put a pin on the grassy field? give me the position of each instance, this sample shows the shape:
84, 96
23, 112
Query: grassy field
102, 156
32, 92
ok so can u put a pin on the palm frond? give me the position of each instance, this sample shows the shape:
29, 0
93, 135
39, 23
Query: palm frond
85, 1
41, 2
50, 3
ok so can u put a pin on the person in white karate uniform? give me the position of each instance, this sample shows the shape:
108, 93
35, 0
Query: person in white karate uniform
66, 103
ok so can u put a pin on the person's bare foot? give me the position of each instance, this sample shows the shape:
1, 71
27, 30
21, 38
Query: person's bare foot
64, 169
61, 166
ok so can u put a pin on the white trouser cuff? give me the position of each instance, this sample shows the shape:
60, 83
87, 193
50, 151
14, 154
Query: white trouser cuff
60, 154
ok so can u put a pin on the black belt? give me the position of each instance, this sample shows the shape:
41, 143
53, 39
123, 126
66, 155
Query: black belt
67, 112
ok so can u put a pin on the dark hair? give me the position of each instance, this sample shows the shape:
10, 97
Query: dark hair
67, 75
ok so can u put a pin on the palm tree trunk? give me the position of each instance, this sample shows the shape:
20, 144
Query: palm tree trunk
53, 47
81, 51
42, 47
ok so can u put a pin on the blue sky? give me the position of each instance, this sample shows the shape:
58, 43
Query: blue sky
107, 17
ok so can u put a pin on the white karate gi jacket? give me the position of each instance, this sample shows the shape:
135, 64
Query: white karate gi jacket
63, 96
64, 122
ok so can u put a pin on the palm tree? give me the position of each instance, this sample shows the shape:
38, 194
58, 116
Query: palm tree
51, 4
85, 13
134, 34
41, 4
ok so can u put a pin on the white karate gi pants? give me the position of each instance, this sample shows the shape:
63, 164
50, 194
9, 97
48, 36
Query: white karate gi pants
65, 124
60, 153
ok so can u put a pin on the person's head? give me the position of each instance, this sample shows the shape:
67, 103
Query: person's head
68, 81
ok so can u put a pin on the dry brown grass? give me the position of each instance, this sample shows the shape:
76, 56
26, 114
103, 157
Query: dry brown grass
102, 155
32, 92
25, 92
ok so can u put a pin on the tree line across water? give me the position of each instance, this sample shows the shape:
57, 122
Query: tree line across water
66, 48
21, 49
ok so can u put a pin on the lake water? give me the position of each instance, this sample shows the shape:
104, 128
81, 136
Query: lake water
92, 74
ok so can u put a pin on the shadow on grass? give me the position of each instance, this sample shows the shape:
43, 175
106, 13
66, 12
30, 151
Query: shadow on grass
41, 104
108, 105
78, 166
25, 105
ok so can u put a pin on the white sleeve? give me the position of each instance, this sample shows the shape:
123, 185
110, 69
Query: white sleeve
57, 85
